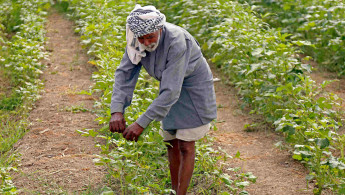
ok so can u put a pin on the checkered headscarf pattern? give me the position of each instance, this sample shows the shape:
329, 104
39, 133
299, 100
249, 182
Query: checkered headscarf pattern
145, 20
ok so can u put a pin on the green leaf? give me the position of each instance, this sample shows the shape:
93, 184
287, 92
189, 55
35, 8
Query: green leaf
323, 143
303, 43
327, 82
253, 68
289, 129
311, 24
244, 192
297, 156
226, 179
83, 133
342, 189
257, 52
108, 193
242, 184
306, 67
309, 177
93, 133
85, 42
238, 154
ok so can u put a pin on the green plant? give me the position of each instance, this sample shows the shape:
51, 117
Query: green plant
137, 167
318, 21
76, 108
21, 48
260, 62
6, 184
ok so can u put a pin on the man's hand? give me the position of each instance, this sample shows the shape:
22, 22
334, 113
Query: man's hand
117, 122
133, 132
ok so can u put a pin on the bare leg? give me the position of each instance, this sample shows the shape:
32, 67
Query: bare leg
174, 162
186, 166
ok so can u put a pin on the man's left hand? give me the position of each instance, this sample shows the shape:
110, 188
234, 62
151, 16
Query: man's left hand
133, 132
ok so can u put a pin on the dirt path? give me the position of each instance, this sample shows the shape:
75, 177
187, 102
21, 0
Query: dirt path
55, 159
277, 172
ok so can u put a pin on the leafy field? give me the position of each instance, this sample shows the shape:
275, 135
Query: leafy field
140, 167
21, 49
261, 63
320, 22
258, 60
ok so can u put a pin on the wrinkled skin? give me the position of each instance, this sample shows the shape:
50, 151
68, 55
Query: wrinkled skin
118, 124
150, 41
149, 38
133, 132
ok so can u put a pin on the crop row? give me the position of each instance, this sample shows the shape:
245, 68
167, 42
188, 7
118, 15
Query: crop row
318, 21
21, 48
262, 64
139, 167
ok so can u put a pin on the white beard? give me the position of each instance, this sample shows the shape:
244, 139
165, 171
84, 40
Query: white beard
152, 46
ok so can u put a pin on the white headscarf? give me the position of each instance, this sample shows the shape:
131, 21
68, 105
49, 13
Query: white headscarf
141, 21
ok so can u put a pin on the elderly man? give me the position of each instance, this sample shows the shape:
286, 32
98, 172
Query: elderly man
186, 102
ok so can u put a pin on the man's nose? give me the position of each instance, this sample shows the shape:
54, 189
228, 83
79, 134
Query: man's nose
146, 42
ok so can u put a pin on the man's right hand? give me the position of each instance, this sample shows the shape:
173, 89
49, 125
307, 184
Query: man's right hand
117, 122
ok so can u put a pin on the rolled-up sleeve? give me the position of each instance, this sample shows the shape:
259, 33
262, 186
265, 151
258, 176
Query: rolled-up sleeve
170, 84
126, 77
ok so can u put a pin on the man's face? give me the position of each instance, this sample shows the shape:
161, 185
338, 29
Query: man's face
150, 41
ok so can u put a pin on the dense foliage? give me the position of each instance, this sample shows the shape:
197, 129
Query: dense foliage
21, 48
261, 63
139, 167
322, 22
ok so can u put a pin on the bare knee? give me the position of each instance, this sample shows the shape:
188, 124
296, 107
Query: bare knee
187, 148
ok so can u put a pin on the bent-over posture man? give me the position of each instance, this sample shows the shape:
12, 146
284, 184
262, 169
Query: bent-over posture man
186, 103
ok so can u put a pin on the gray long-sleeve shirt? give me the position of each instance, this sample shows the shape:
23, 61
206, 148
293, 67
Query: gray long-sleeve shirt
186, 96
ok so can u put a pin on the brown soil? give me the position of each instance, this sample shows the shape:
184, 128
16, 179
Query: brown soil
55, 158
5, 87
277, 172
